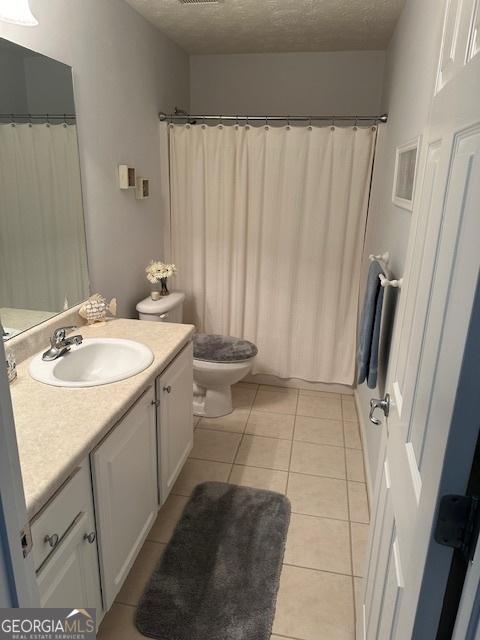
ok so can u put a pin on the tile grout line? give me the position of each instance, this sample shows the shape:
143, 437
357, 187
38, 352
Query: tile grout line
298, 513
253, 466
349, 530
258, 435
302, 566
291, 446
243, 434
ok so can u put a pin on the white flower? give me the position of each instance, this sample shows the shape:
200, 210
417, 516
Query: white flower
157, 270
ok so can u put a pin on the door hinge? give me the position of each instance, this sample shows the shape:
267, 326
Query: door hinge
26, 540
458, 523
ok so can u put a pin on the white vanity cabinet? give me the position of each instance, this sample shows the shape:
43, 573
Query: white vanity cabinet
88, 536
65, 547
124, 468
174, 419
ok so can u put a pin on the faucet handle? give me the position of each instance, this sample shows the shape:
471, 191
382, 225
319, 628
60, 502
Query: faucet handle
60, 333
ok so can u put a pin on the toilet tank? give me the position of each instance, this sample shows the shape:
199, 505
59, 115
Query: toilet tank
167, 309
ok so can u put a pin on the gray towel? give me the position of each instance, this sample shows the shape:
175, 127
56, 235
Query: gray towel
369, 336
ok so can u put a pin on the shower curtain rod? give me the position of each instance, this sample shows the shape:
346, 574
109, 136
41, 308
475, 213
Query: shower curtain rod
187, 116
38, 116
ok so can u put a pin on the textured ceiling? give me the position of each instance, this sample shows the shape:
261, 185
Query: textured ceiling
252, 26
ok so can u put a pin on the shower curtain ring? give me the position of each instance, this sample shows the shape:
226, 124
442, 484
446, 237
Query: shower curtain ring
355, 123
30, 120
12, 119
310, 123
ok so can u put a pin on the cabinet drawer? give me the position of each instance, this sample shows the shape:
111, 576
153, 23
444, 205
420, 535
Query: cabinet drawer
56, 517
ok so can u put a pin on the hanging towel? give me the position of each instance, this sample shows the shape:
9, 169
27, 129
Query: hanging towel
369, 335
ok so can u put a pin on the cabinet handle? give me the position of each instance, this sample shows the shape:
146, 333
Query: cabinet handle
90, 537
156, 403
167, 389
52, 540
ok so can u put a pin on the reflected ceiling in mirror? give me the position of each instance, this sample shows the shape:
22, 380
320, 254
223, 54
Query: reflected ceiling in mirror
43, 256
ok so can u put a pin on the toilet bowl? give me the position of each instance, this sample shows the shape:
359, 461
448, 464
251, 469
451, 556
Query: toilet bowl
218, 361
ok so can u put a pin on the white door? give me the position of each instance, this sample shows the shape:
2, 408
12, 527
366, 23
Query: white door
175, 419
70, 576
125, 485
433, 317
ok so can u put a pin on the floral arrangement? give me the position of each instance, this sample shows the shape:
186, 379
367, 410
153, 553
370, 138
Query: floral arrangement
157, 270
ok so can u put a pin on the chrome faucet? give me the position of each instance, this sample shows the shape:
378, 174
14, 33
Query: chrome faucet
60, 344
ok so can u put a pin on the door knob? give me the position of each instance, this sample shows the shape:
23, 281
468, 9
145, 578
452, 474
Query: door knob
90, 537
384, 405
52, 539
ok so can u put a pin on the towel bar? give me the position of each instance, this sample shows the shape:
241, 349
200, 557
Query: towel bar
385, 282
380, 257
384, 259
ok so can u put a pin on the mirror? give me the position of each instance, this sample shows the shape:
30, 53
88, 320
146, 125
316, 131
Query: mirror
43, 258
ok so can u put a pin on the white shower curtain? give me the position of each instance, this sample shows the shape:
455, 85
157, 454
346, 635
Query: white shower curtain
267, 230
42, 234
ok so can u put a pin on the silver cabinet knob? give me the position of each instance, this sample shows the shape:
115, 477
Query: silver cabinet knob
90, 537
167, 389
52, 540
384, 405
155, 403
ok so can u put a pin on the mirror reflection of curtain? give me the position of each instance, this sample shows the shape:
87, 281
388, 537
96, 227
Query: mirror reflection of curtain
267, 234
42, 234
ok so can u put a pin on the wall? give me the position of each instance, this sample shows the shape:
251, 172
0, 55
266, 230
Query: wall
411, 66
124, 72
343, 82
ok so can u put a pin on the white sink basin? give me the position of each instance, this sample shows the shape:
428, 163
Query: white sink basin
95, 362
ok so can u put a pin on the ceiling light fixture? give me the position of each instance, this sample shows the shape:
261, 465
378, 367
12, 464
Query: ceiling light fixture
17, 12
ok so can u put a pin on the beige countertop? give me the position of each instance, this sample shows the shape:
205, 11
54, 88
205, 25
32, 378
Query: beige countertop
57, 427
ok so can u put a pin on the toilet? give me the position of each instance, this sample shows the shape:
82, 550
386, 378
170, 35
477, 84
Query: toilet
218, 361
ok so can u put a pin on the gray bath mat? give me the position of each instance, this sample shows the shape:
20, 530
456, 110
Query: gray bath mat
219, 575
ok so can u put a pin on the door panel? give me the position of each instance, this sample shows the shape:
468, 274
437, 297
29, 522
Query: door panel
415, 295
464, 177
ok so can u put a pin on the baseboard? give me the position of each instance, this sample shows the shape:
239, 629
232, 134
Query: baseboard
296, 383
366, 457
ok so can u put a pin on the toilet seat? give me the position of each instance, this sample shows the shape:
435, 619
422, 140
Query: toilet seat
218, 362
222, 349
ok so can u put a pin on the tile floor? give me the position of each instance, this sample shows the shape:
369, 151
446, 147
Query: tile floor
305, 444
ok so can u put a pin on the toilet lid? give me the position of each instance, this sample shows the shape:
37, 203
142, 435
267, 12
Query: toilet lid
215, 348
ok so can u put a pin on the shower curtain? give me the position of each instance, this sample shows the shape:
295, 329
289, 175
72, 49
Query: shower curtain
42, 235
267, 229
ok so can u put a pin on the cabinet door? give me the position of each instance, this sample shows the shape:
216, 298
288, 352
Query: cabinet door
175, 419
70, 577
125, 485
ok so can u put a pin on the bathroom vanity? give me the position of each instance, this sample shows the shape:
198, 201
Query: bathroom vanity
98, 462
